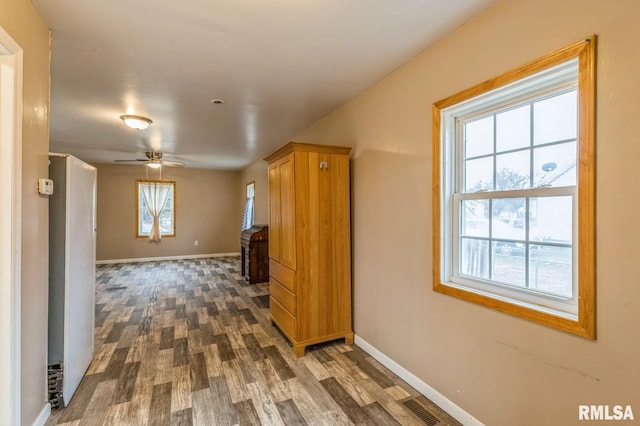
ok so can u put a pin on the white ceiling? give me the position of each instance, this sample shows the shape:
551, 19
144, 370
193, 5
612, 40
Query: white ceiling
279, 65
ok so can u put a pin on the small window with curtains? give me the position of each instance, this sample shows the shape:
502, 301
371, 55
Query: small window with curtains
156, 209
514, 191
248, 218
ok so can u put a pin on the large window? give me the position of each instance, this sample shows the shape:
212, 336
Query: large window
514, 191
155, 200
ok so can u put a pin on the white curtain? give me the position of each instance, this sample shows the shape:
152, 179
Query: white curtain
247, 220
155, 196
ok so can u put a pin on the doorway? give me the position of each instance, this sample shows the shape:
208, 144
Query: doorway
10, 225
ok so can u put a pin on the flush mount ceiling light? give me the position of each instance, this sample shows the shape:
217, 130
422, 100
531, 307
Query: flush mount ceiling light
136, 121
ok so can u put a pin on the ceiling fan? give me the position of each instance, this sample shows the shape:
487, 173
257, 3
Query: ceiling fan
153, 160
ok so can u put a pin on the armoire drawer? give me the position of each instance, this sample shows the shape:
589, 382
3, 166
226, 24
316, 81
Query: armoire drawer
286, 298
283, 275
283, 318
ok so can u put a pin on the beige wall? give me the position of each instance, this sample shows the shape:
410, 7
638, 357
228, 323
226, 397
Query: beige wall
26, 27
502, 370
208, 209
257, 172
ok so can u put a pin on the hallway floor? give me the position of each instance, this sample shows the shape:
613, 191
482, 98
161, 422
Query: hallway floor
189, 342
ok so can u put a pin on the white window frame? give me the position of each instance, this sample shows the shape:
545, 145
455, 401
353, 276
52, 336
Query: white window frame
552, 82
572, 68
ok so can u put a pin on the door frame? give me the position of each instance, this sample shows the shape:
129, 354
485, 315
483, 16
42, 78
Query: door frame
11, 67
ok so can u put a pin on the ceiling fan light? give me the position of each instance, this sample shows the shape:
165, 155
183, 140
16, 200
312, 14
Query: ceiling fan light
154, 165
136, 121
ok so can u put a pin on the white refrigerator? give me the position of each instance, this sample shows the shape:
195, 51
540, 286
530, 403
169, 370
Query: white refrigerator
72, 256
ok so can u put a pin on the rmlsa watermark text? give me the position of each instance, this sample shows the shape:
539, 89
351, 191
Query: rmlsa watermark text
605, 412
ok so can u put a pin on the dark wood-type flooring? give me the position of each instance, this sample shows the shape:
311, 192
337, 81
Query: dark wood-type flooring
189, 342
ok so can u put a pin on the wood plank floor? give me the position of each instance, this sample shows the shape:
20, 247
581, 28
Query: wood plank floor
189, 342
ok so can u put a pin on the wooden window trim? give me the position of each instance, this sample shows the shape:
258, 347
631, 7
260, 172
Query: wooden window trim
173, 182
253, 182
585, 325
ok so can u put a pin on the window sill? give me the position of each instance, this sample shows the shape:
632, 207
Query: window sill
541, 315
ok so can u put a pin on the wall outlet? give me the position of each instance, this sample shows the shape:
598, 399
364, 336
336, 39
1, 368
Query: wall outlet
195, 243
45, 186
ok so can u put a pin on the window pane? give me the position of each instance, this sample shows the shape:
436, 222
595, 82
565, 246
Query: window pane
555, 165
555, 119
166, 217
508, 264
145, 219
512, 170
508, 216
551, 219
513, 129
478, 137
478, 174
475, 218
474, 258
550, 269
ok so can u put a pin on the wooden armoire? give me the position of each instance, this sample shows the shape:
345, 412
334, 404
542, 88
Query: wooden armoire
309, 243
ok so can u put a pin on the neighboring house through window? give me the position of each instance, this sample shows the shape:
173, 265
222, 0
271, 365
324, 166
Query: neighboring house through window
514, 191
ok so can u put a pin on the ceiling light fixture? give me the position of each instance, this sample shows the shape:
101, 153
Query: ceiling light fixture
154, 165
136, 121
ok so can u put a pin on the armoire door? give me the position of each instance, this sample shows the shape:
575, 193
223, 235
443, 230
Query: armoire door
275, 220
282, 245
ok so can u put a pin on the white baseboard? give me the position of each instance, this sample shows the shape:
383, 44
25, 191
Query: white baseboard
43, 416
156, 259
440, 400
